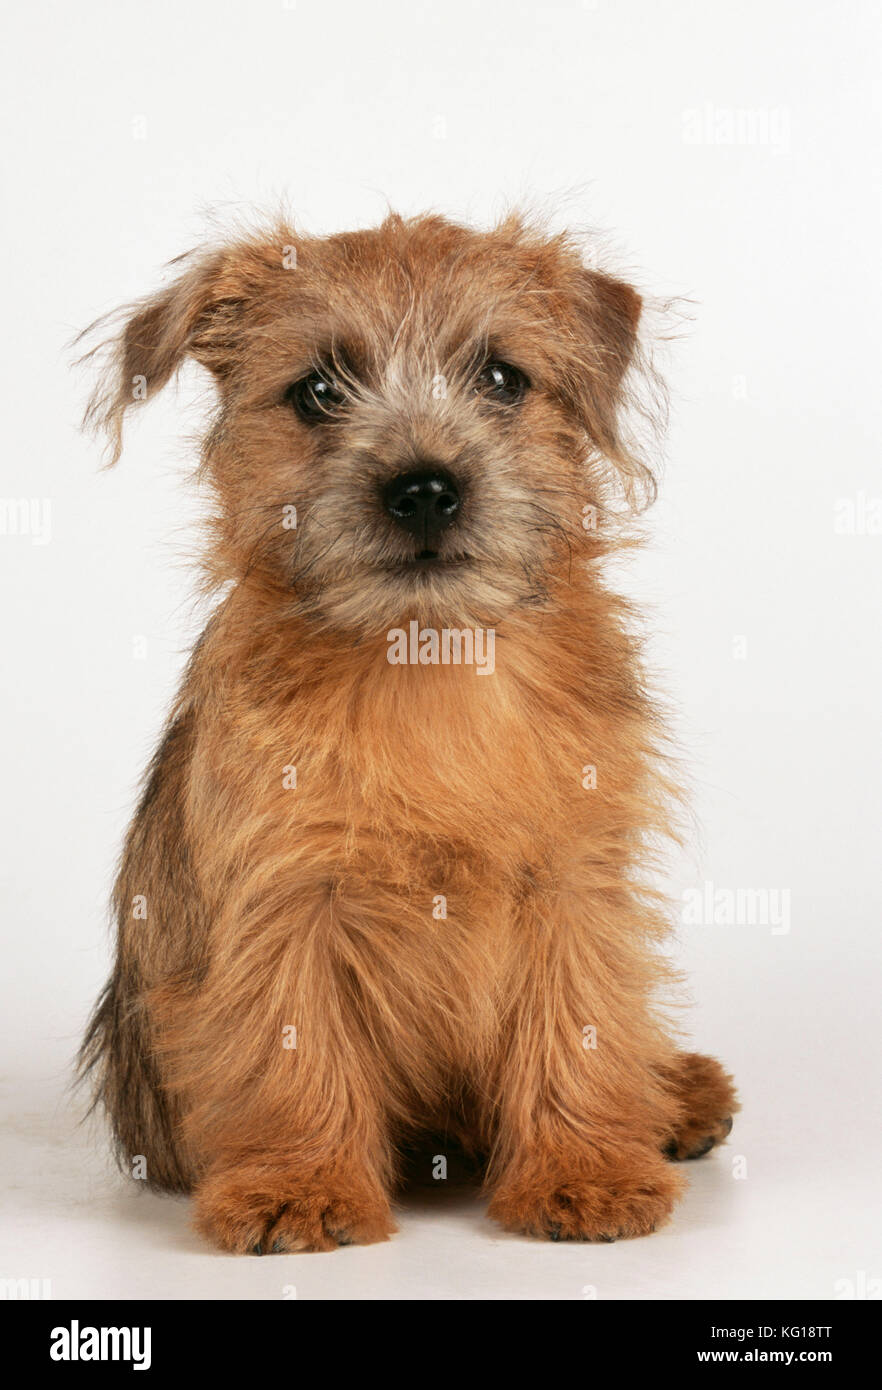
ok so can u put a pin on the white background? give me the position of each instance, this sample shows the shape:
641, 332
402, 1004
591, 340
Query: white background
124, 122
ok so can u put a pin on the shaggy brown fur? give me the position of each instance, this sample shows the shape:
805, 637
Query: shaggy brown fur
248, 906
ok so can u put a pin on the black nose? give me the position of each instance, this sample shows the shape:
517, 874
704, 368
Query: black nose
423, 503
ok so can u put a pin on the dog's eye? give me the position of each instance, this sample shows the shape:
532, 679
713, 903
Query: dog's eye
502, 382
314, 397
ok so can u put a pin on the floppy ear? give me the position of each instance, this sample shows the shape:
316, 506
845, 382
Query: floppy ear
196, 316
607, 317
609, 312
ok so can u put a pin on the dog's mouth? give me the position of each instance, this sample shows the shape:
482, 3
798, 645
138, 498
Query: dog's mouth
428, 562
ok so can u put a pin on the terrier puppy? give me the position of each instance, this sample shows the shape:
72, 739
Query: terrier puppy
388, 873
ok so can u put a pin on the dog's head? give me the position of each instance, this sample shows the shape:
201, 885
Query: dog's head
415, 421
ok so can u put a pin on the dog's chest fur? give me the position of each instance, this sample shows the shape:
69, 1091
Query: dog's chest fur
414, 776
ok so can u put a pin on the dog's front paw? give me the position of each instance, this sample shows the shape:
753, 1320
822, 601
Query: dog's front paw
707, 1100
578, 1202
254, 1211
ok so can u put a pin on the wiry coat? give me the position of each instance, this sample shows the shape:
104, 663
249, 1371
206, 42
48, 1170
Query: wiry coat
307, 900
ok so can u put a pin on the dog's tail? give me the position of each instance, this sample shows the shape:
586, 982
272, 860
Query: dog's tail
116, 1060
119, 1054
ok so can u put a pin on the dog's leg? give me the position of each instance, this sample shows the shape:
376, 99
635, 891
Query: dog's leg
284, 1096
580, 1112
706, 1097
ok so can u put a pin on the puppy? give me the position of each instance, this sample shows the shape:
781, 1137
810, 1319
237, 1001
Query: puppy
388, 875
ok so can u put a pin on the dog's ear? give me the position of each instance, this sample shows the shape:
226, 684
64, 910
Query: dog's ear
198, 315
607, 376
608, 312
